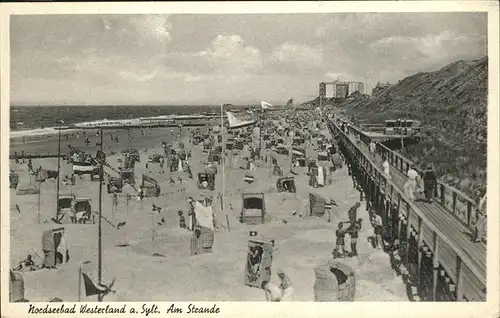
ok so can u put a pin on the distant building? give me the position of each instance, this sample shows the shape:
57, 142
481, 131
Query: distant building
322, 89
339, 89
356, 87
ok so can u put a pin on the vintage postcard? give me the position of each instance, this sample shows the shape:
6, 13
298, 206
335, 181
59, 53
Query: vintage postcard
214, 158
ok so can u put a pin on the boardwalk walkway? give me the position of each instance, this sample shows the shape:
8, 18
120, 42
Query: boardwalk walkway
440, 216
463, 260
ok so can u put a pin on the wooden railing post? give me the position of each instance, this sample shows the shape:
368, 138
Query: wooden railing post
454, 208
358, 157
408, 233
435, 264
459, 280
442, 196
400, 221
469, 213
419, 245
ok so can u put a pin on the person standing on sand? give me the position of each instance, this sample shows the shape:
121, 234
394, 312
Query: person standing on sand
340, 241
285, 286
354, 234
377, 229
272, 291
353, 212
430, 183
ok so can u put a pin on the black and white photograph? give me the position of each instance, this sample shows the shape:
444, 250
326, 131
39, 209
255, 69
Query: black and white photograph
216, 157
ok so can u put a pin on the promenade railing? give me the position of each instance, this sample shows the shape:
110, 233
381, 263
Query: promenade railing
460, 205
464, 271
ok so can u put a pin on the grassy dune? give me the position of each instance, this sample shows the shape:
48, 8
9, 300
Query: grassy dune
452, 105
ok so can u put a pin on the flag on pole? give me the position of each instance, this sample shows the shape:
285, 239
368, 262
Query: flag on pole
121, 224
266, 105
328, 205
235, 122
248, 178
91, 287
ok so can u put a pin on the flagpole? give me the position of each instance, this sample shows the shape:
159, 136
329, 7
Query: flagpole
58, 173
260, 131
223, 165
99, 244
39, 191
290, 154
80, 283
152, 227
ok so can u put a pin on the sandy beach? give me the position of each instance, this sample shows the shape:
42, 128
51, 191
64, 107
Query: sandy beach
302, 243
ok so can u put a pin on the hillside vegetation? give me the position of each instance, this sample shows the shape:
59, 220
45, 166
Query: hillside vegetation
451, 103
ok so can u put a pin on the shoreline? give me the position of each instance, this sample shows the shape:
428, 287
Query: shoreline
171, 120
127, 124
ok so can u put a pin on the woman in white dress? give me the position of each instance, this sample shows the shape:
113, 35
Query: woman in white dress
411, 185
387, 168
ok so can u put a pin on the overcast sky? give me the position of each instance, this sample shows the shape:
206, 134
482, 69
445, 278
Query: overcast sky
213, 59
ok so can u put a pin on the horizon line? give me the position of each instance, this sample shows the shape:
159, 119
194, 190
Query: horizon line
149, 105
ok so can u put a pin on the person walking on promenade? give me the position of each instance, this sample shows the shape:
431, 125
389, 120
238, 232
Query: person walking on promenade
411, 185
430, 183
481, 225
387, 167
372, 148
